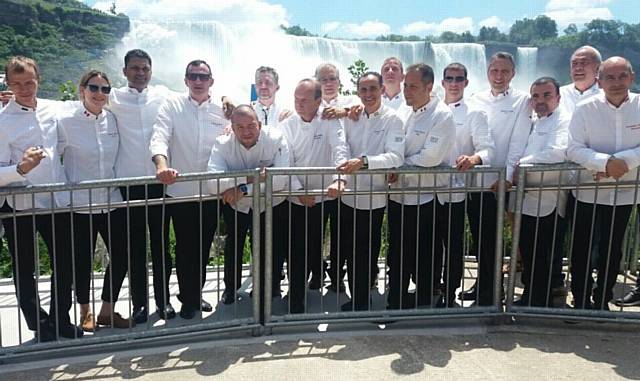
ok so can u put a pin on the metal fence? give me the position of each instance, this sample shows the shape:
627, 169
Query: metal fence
413, 253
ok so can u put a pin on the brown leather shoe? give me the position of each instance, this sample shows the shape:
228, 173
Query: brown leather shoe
88, 322
118, 321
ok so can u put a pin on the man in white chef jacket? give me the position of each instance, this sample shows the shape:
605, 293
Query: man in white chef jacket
583, 69
184, 132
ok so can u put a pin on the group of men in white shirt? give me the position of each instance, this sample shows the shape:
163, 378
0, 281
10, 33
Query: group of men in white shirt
383, 128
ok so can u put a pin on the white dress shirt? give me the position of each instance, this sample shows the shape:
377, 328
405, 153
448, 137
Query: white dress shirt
379, 137
570, 96
228, 154
508, 115
185, 132
21, 128
547, 144
599, 130
429, 138
136, 112
89, 147
472, 138
268, 116
319, 143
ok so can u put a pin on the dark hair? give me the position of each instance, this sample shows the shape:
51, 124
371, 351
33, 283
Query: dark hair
503, 56
136, 53
544, 81
197, 63
18, 64
317, 88
375, 74
426, 72
455, 66
86, 77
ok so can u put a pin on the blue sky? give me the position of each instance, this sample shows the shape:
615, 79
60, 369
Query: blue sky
368, 19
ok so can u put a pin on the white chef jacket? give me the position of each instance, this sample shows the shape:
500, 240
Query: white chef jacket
136, 112
472, 138
21, 128
268, 116
509, 120
228, 154
429, 139
379, 137
547, 144
185, 132
344, 101
570, 96
319, 143
89, 147
599, 130
395, 102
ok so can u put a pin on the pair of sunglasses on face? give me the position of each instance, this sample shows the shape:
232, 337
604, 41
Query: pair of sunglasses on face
203, 77
103, 89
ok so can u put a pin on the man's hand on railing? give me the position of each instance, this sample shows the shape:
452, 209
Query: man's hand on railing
232, 195
307, 200
616, 168
167, 176
351, 165
30, 159
336, 188
261, 179
392, 178
464, 162
507, 185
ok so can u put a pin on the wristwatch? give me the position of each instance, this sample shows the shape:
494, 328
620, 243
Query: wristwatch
365, 162
20, 171
243, 188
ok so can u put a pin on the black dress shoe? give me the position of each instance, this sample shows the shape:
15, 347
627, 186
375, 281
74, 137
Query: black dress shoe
632, 298
45, 333
187, 312
469, 294
140, 314
205, 306
228, 297
69, 331
167, 312
337, 288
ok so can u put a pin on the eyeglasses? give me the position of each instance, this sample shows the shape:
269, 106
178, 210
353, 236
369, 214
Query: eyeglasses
198, 76
328, 79
457, 79
103, 89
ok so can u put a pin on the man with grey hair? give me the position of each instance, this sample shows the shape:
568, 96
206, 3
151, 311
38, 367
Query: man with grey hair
584, 71
336, 106
603, 138
266, 83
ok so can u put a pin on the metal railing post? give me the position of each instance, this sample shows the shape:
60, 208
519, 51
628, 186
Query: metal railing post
515, 236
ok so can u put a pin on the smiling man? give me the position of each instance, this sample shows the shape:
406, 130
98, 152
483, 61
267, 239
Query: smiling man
183, 135
584, 72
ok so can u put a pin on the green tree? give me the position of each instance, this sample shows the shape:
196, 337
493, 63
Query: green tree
67, 91
356, 70
571, 30
491, 34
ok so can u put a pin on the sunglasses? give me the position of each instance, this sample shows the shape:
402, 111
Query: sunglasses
103, 89
201, 76
457, 79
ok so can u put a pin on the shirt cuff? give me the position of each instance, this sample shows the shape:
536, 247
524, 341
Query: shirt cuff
9, 174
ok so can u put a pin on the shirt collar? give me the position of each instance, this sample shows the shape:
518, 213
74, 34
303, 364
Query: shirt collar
193, 102
627, 100
428, 106
397, 96
378, 113
86, 114
16, 107
135, 91
501, 95
591, 89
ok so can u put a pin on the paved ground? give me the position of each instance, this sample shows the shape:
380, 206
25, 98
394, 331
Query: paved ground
405, 351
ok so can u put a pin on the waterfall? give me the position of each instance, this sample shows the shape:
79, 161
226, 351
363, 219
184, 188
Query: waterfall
526, 64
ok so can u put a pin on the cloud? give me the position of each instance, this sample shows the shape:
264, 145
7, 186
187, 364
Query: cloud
495, 22
224, 11
366, 29
578, 12
451, 24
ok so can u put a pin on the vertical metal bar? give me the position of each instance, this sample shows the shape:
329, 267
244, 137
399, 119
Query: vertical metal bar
201, 272
54, 261
268, 242
497, 286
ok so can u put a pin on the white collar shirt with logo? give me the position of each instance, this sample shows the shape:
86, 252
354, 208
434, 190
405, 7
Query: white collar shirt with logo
185, 132
228, 154
22, 128
599, 130
472, 137
508, 115
89, 147
319, 143
136, 113
547, 144
380, 137
429, 140
570, 96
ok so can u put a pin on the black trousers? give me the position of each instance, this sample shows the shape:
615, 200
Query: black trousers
482, 210
112, 229
410, 253
194, 224
449, 247
156, 218
337, 261
540, 257
613, 223
307, 232
239, 225
20, 233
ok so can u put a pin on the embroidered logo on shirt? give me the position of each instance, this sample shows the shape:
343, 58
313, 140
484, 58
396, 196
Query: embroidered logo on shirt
434, 139
634, 126
506, 111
